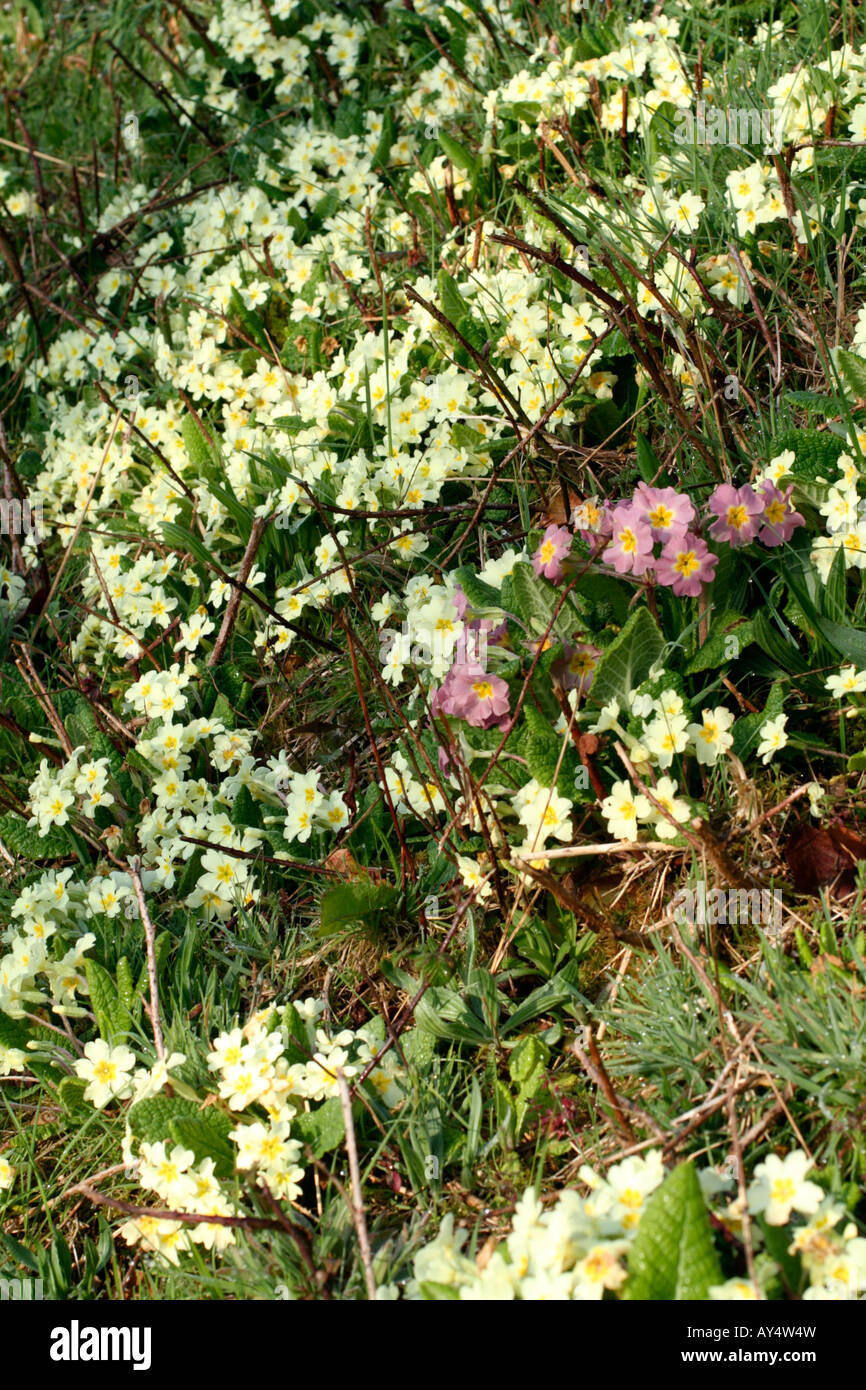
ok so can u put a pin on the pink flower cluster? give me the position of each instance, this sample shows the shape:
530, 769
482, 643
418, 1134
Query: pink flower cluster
469, 692
655, 533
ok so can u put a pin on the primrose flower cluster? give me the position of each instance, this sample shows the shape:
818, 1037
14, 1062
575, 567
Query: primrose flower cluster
654, 534
287, 250
198, 766
578, 1248
283, 1060
47, 942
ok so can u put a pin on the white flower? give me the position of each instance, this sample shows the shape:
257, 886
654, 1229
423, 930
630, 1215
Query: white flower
607, 719
711, 737
665, 737
779, 1186
849, 681
733, 1291
107, 1070
773, 737
623, 809
665, 792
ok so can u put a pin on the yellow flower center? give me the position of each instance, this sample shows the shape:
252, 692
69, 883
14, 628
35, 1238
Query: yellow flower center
686, 563
661, 516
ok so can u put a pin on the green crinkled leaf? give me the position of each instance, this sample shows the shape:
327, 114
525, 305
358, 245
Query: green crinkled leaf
673, 1258
419, 1048
346, 904
113, 1018
852, 370
451, 301
815, 451
542, 752
13, 1032
81, 725
125, 983
728, 637
246, 811
444, 1014
71, 1092
627, 661
536, 601
207, 1134
197, 445
323, 1128
161, 949
527, 1062
25, 842
150, 1120
479, 593
348, 118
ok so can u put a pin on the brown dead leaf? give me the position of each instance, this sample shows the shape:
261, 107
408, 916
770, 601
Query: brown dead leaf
818, 859
343, 862
482, 1259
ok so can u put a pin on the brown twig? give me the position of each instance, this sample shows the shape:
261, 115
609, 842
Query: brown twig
150, 940
257, 531
596, 1072
358, 1213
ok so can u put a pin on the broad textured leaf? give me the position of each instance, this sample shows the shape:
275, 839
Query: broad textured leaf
445, 1014
479, 593
628, 659
852, 370
536, 601
25, 842
419, 1048
206, 1133
71, 1092
113, 1018
347, 904
13, 1032
673, 1258
150, 1120
323, 1128
527, 1062
729, 635
197, 445
125, 983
